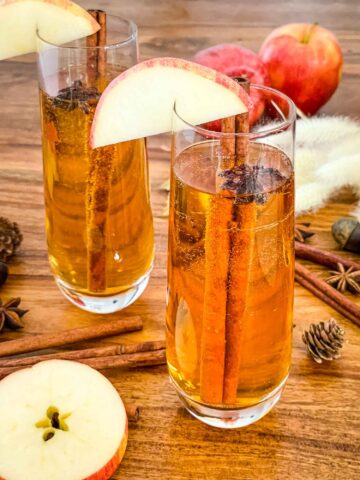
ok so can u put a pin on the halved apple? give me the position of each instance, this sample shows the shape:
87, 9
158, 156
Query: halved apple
140, 101
60, 420
58, 21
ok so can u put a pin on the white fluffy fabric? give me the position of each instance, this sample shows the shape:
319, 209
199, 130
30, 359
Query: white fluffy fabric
327, 158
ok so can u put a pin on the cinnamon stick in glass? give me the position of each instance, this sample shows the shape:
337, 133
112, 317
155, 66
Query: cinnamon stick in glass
96, 57
217, 251
241, 247
98, 184
226, 248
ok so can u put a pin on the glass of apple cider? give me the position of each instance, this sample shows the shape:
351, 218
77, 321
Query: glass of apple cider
98, 217
231, 264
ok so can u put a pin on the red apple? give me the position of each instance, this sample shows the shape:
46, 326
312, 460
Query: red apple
127, 110
236, 61
304, 61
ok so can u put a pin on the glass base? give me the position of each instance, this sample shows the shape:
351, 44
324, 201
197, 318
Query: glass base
231, 418
108, 304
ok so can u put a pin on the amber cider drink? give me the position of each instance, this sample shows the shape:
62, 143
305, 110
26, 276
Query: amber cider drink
260, 320
115, 178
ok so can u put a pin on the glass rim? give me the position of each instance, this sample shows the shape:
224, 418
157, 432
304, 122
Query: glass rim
132, 37
251, 135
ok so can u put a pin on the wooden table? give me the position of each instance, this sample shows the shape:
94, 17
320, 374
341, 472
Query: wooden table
314, 432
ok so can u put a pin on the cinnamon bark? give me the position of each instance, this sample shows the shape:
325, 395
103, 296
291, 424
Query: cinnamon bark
96, 57
227, 262
66, 337
338, 301
133, 360
241, 248
325, 298
107, 351
217, 251
98, 182
323, 257
132, 412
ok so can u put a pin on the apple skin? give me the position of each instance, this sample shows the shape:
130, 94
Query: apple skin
227, 58
304, 61
109, 469
235, 61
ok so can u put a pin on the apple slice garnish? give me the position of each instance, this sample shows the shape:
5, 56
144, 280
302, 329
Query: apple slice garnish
140, 101
58, 21
60, 420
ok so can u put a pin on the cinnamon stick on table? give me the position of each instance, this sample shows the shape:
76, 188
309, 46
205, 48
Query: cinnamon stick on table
106, 351
132, 412
65, 337
328, 294
228, 241
99, 172
133, 360
325, 298
323, 257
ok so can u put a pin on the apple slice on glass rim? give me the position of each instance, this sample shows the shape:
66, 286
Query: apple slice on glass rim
60, 420
59, 21
140, 101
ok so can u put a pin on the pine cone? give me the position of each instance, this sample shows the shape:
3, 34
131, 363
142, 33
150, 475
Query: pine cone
324, 340
10, 238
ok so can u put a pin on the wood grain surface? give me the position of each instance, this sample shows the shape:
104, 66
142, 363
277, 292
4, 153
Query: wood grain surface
314, 432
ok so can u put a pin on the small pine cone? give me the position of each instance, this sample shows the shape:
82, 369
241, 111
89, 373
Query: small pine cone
324, 340
10, 238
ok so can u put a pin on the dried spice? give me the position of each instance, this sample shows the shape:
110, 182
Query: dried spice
345, 279
77, 96
324, 340
250, 183
302, 232
11, 315
4, 273
10, 238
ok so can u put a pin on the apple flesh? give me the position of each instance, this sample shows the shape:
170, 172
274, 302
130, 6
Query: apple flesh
57, 21
236, 61
60, 420
304, 61
140, 101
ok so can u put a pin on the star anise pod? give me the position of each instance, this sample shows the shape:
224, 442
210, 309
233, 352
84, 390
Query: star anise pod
250, 183
302, 232
11, 315
345, 279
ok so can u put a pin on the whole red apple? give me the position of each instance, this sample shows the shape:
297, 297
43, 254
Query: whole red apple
304, 61
235, 61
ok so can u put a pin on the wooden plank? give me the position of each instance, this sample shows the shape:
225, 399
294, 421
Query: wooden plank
314, 432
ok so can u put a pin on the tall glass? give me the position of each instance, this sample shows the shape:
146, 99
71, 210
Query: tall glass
231, 264
98, 216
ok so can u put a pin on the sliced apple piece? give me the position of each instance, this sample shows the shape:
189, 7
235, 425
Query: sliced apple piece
58, 21
60, 420
140, 101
